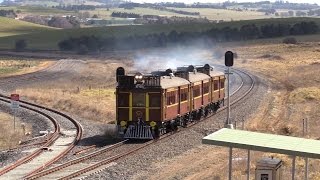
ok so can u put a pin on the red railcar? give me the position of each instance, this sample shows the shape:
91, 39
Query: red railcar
152, 104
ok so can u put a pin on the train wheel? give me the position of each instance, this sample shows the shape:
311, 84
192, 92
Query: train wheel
156, 132
174, 126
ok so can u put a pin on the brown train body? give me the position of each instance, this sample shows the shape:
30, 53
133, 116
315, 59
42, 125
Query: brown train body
153, 104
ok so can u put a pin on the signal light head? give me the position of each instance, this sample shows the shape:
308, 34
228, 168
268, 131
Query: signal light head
229, 58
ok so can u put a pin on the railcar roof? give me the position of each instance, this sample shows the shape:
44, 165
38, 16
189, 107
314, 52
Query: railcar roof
216, 73
195, 77
169, 82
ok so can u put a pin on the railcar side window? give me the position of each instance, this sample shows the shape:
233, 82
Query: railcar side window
155, 100
215, 85
138, 100
196, 92
205, 88
221, 83
123, 99
171, 98
184, 94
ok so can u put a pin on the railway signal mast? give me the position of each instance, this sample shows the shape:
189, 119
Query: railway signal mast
229, 63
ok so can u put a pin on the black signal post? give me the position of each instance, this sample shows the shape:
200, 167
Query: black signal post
229, 63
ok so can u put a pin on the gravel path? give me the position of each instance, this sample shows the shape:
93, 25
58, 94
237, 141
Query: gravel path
142, 164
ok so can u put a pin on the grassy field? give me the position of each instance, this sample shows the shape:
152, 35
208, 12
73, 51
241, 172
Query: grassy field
11, 27
47, 39
8, 137
88, 93
105, 14
15, 66
211, 14
37, 10
226, 15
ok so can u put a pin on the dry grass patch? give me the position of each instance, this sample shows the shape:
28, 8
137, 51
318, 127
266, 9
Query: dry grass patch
92, 104
8, 137
302, 95
12, 67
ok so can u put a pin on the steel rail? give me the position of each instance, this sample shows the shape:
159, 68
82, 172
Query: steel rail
55, 135
76, 161
51, 138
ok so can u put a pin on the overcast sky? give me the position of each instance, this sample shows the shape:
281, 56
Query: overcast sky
220, 1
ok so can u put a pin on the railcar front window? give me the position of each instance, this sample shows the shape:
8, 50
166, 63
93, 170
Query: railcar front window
138, 100
123, 99
155, 100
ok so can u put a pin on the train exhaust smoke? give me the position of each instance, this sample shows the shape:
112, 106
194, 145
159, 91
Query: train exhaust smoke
160, 59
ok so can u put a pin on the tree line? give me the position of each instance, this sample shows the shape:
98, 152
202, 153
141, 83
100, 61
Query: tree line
161, 8
8, 13
75, 7
56, 21
125, 15
85, 44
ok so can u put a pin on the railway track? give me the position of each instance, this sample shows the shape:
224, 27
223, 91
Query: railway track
90, 163
58, 143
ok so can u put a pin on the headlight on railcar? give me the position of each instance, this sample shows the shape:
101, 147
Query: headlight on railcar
138, 77
153, 124
123, 123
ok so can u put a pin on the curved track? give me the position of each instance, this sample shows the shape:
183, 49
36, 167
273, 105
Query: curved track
103, 158
59, 143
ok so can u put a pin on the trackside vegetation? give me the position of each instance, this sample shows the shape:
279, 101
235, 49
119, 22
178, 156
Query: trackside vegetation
93, 43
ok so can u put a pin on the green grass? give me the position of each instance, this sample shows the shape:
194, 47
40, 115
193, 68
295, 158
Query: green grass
8, 70
103, 13
45, 39
226, 15
37, 10
11, 66
10, 27
211, 14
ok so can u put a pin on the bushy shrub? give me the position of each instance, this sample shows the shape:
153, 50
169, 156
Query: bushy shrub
289, 40
20, 45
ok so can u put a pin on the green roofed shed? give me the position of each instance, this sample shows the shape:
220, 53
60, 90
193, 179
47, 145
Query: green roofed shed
294, 146
264, 142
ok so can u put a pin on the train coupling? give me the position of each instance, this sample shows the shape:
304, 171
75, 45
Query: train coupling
138, 132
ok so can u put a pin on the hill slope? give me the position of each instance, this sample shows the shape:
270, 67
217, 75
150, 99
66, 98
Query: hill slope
43, 38
10, 27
